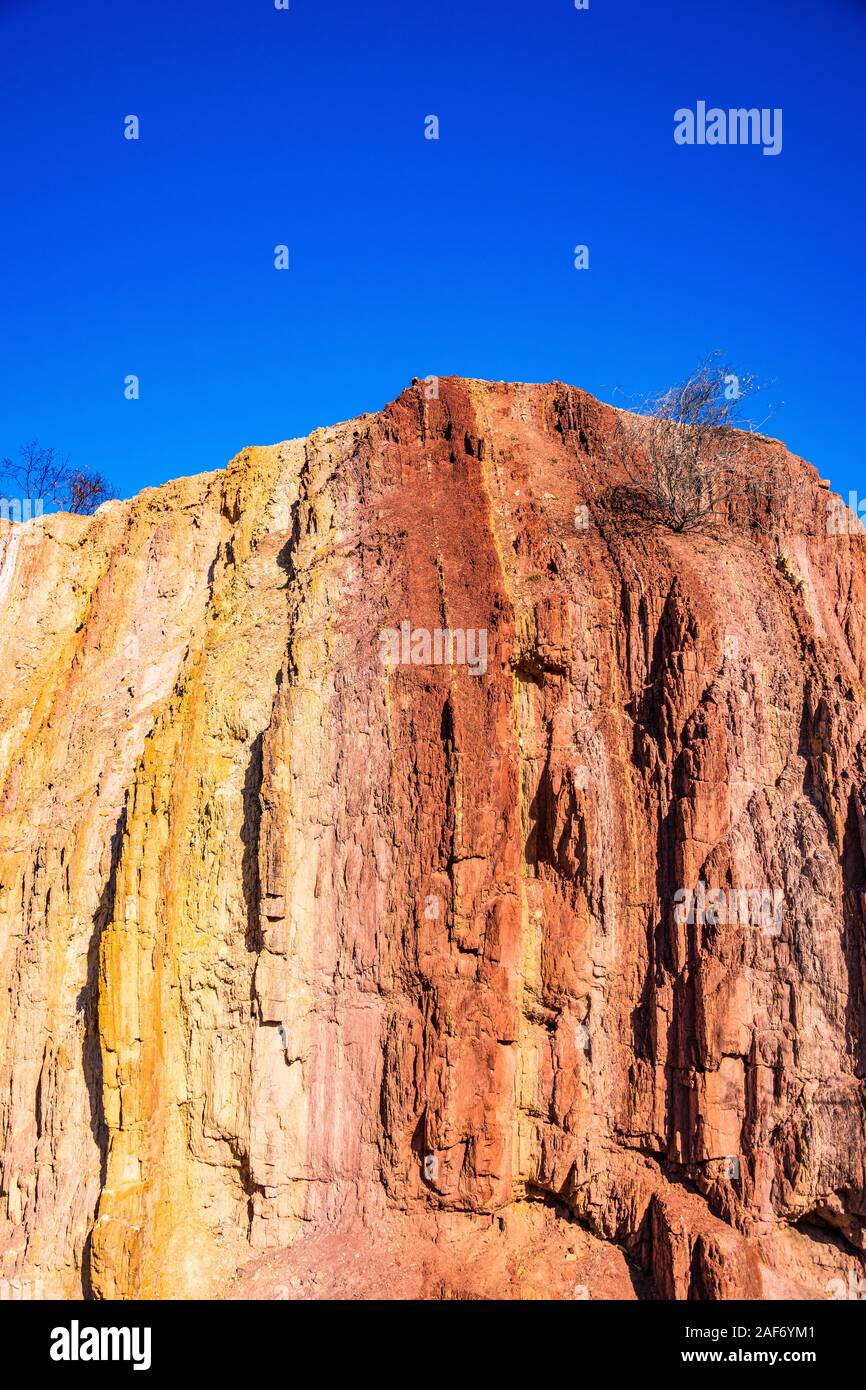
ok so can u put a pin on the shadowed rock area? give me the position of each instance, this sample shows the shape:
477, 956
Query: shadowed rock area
329, 976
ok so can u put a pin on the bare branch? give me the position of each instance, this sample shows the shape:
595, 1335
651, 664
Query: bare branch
45, 475
679, 451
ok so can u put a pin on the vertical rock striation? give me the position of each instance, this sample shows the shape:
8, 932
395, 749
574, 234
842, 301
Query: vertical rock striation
292, 937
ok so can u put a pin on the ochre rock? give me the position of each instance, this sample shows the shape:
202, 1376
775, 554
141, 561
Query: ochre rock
305, 953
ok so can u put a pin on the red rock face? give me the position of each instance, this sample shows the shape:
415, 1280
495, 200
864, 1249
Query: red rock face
410, 947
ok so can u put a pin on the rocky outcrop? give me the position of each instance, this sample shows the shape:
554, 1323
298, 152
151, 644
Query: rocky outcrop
306, 931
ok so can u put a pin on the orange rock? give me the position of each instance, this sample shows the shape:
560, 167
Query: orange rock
293, 939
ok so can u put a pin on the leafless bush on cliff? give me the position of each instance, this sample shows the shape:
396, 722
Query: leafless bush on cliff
86, 490
680, 450
45, 474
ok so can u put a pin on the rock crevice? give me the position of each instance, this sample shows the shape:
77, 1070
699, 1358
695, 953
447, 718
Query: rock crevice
294, 938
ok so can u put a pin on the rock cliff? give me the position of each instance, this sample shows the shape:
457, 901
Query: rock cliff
404, 854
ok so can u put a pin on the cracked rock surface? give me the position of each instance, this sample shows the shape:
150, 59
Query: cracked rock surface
304, 953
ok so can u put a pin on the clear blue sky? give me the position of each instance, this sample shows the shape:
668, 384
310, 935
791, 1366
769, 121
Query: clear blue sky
411, 256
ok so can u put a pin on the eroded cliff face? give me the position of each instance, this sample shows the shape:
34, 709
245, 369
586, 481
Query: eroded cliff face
296, 942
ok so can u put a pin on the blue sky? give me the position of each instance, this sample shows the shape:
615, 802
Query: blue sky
412, 256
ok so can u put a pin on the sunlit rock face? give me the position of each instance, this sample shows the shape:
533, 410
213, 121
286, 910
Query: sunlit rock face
394, 835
